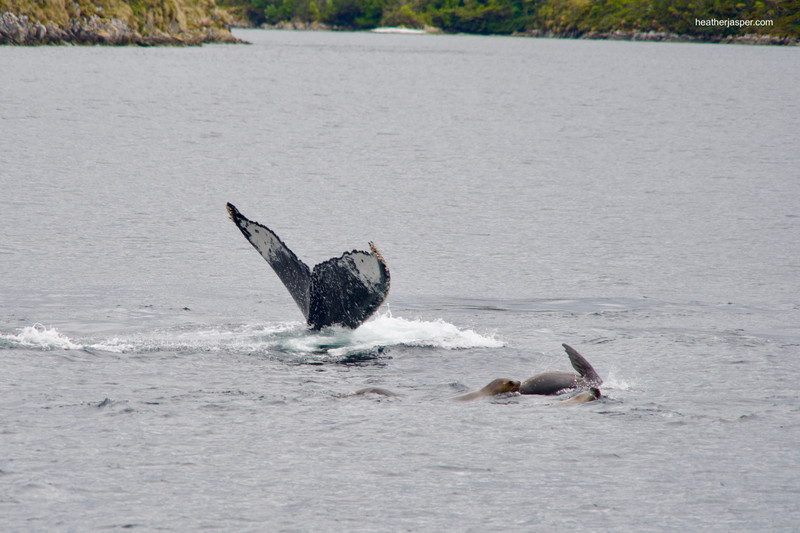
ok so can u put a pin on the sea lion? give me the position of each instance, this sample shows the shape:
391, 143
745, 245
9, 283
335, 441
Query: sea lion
555, 381
582, 397
343, 291
498, 386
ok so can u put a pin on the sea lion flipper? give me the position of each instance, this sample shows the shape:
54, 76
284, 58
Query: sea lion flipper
294, 273
347, 290
582, 366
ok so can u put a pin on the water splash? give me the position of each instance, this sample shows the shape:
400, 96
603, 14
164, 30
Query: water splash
292, 341
39, 337
433, 334
615, 383
386, 331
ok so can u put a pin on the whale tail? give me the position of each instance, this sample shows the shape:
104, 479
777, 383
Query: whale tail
344, 290
582, 366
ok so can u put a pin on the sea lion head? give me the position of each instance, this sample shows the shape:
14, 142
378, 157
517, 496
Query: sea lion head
502, 385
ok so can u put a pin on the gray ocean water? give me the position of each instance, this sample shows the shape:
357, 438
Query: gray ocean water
638, 201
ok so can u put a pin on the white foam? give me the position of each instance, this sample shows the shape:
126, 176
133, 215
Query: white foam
292, 338
40, 337
387, 330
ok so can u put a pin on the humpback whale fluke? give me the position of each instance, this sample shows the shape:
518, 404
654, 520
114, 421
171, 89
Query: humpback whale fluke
344, 290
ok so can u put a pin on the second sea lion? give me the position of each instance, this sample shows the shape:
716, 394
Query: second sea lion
498, 386
582, 397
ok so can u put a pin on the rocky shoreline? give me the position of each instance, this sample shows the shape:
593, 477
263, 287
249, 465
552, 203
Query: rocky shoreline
652, 36
668, 37
24, 31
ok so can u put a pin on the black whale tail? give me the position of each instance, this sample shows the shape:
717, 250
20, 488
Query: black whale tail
344, 290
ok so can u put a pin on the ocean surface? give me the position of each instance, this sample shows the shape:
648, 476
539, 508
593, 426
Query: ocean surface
638, 201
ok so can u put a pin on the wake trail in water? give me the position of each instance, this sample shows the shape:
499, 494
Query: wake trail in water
292, 341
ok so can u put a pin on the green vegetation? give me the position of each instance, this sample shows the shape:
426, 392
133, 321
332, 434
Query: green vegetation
197, 21
573, 18
113, 22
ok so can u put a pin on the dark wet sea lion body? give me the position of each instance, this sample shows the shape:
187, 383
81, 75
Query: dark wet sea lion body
550, 383
556, 381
